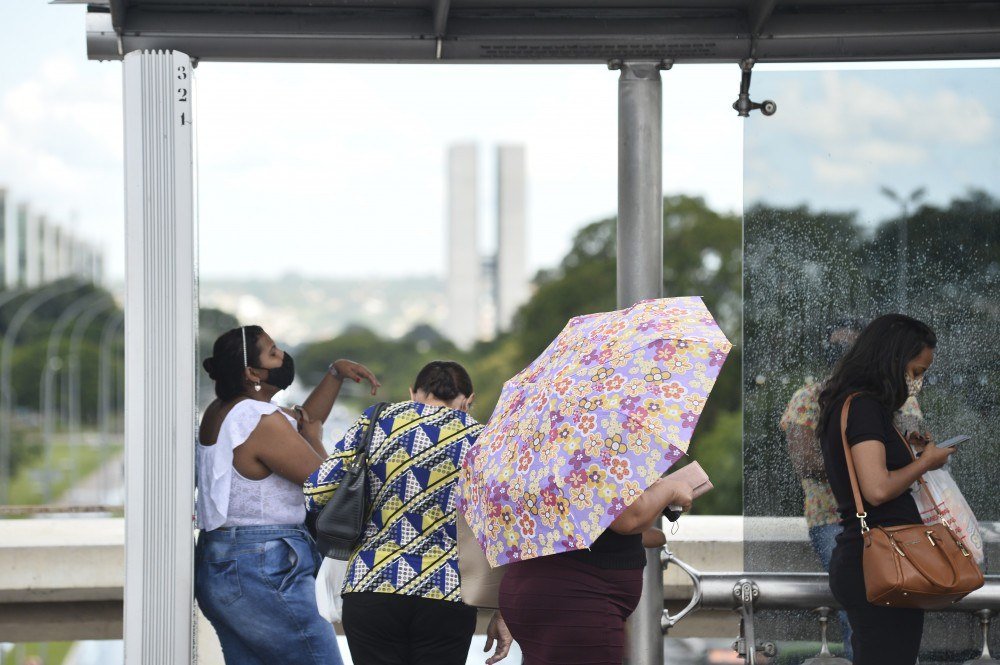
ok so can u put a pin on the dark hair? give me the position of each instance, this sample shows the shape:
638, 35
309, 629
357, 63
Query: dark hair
833, 351
876, 364
226, 366
444, 379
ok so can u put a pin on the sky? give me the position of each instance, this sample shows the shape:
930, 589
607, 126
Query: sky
338, 171
839, 136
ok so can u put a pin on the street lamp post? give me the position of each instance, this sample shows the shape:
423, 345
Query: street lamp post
52, 365
7, 296
20, 317
75, 341
108, 336
902, 250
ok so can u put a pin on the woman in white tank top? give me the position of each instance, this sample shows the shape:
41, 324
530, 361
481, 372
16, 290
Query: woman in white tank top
255, 562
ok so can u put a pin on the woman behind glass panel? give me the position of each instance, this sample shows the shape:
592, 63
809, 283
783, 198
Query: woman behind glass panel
886, 366
255, 563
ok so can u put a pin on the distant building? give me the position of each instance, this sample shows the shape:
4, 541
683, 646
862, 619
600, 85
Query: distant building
30, 240
463, 249
512, 256
484, 292
35, 251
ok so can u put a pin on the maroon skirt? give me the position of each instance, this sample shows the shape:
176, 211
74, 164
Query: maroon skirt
562, 611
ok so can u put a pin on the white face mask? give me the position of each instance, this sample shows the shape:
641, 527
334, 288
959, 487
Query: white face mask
913, 386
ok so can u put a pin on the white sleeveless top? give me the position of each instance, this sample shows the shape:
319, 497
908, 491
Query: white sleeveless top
226, 498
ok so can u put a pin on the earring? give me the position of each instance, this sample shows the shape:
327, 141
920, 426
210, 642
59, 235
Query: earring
256, 386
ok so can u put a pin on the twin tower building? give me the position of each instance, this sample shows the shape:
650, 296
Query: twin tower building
484, 292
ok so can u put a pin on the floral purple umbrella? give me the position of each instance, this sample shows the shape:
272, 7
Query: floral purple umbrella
580, 433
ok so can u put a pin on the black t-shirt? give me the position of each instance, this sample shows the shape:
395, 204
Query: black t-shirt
867, 420
612, 550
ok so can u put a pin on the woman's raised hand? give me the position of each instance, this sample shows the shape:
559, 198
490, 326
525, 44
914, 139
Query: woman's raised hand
356, 372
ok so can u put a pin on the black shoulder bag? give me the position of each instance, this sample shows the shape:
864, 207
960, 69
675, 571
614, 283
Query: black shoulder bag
341, 523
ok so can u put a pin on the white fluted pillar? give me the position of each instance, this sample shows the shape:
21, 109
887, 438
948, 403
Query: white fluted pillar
161, 312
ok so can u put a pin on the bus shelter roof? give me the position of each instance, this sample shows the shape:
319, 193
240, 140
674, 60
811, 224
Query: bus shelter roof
546, 31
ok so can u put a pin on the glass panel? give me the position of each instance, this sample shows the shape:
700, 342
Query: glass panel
869, 192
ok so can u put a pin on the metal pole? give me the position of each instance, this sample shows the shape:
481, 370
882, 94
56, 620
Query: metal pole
108, 335
640, 276
7, 296
53, 365
902, 284
20, 317
75, 340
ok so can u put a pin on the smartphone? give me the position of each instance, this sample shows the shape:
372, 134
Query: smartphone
954, 441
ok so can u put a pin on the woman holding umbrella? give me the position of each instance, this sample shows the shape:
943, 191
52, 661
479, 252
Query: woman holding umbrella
567, 475
572, 607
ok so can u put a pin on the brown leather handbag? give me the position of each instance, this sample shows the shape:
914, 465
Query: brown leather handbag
915, 565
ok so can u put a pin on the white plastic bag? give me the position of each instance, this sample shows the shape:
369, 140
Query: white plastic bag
952, 508
329, 583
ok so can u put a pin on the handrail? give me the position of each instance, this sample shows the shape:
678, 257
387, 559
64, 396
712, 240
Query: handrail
56, 508
666, 558
746, 592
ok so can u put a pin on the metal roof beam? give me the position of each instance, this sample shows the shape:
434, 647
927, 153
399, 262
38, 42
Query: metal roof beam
393, 33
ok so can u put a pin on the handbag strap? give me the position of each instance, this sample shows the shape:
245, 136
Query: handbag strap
855, 488
852, 472
361, 453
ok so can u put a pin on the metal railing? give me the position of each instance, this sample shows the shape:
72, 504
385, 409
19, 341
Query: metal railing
747, 592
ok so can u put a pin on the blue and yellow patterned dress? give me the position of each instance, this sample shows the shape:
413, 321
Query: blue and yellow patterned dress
414, 461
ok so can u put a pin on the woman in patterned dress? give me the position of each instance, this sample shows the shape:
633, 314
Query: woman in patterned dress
402, 591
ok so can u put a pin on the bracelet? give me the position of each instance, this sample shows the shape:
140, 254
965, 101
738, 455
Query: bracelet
334, 372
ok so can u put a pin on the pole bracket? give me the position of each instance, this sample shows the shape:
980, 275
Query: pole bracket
746, 592
743, 105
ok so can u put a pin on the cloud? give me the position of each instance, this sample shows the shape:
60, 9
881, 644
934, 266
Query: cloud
855, 105
853, 128
325, 156
61, 141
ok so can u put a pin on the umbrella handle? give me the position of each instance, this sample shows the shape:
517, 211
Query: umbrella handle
666, 558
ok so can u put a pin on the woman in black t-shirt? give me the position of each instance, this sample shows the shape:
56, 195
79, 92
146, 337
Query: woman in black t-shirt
571, 607
883, 368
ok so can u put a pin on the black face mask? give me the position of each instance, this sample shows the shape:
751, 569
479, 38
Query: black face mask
281, 377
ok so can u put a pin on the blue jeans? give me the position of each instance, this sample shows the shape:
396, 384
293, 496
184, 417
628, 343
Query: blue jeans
257, 587
824, 539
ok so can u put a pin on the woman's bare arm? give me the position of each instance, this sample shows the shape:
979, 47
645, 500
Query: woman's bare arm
276, 445
878, 484
645, 510
321, 400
